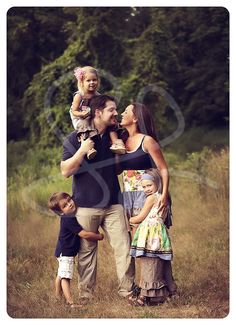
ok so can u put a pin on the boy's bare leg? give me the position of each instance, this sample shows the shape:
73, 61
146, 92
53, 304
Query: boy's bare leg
65, 284
58, 288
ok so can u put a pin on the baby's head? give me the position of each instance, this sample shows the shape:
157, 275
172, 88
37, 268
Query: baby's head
61, 203
88, 79
151, 182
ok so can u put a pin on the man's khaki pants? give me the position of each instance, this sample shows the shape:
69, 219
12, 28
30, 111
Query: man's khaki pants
112, 221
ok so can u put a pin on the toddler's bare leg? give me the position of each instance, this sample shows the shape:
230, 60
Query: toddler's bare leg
118, 146
113, 136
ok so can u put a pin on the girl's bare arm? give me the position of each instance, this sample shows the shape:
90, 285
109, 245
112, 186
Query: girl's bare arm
145, 210
75, 107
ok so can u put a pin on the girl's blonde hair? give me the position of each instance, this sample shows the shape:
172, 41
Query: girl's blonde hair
80, 74
155, 173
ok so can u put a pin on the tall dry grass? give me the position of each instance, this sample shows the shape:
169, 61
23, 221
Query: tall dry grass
200, 238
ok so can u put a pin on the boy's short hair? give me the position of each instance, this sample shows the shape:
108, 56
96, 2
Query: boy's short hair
53, 202
99, 102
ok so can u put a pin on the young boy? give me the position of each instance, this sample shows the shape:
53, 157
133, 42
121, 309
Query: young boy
68, 242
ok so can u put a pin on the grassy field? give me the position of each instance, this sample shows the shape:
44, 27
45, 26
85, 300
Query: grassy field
200, 237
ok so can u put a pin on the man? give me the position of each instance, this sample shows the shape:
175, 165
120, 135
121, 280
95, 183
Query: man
96, 192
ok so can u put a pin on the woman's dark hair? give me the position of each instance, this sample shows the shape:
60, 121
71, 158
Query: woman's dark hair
145, 122
99, 102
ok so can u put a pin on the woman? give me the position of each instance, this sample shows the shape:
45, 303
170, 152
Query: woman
143, 153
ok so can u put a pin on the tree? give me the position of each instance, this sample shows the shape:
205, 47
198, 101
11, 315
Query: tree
36, 36
182, 50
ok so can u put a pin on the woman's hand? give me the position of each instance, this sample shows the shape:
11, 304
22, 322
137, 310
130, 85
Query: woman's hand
162, 204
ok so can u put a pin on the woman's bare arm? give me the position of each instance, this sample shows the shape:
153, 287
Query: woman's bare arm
154, 150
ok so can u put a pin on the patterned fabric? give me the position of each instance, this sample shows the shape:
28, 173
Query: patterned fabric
66, 267
151, 238
133, 203
152, 282
132, 180
84, 126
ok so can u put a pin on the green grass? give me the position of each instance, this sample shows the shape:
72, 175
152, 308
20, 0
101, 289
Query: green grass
200, 238
196, 138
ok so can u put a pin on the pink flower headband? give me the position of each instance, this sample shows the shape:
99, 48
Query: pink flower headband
79, 74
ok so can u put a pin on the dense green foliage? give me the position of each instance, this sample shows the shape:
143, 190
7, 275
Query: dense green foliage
182, 50
33, 35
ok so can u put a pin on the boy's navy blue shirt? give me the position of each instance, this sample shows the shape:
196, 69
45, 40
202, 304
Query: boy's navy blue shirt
96, 183
68, 240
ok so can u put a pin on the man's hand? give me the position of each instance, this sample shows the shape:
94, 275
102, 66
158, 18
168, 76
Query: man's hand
71, 166
86, 145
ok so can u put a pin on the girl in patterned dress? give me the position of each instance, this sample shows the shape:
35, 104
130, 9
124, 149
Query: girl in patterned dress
88, 84
152, 244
